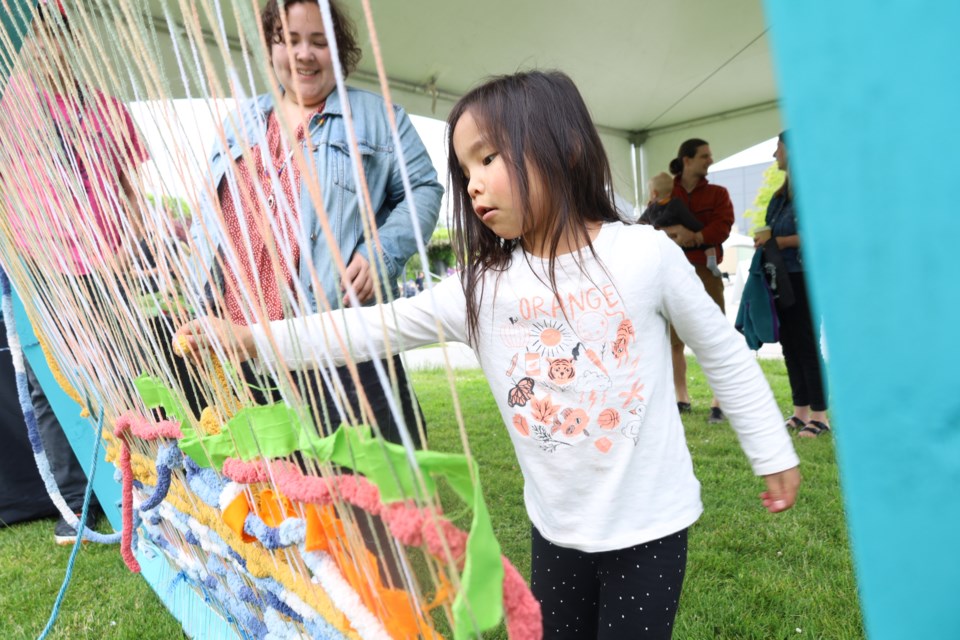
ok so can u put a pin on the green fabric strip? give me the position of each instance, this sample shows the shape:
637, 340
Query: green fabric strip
277, 430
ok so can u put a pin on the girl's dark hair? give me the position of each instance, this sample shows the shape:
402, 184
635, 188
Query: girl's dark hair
344, 30
538, 122
687, 150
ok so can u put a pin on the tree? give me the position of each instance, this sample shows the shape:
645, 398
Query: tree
772, 180
439, 254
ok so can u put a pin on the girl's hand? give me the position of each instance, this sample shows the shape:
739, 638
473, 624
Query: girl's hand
200, 334
781, 490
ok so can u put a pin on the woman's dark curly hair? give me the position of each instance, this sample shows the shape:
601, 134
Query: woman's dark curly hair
344, 30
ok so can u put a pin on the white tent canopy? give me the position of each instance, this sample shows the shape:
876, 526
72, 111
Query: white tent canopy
653, 72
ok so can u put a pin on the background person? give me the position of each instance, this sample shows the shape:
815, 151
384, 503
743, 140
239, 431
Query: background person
799, 336
312, 108
95, 137
711, 205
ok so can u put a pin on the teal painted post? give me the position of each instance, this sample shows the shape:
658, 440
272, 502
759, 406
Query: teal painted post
80, 431
15, 24
871, 95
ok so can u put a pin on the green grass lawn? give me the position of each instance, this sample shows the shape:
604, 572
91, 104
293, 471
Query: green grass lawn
749, 574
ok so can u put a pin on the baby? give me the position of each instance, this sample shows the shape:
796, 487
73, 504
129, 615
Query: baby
666, 211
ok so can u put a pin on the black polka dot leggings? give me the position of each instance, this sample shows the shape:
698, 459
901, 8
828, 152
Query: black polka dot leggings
611, 595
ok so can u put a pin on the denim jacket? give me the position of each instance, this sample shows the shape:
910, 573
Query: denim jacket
331, 156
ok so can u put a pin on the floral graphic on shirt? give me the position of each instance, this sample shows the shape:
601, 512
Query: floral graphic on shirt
571, 358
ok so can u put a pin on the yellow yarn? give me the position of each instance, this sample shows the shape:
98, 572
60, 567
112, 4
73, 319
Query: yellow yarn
210, 421
58, 374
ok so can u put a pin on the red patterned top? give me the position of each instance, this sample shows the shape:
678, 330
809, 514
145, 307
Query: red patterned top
273, 282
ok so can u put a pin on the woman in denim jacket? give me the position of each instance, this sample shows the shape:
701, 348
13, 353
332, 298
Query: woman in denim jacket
799, 336
262, 242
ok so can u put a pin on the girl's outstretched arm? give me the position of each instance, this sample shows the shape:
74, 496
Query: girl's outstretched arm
356, 334
203, 333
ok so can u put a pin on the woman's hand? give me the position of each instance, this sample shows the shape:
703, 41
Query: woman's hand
781, 491
360, 277
203, 333
682, 236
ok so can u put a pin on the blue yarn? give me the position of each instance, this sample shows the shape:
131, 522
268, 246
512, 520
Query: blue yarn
204, 482
282, 607
236, 556
76, 545
190, 537
268, 536
167, 457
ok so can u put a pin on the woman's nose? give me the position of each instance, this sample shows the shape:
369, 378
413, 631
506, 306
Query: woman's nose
303, 51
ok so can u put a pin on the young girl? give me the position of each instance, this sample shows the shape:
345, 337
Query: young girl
567, 309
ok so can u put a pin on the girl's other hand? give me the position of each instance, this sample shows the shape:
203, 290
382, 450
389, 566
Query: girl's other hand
203, 333
781, 491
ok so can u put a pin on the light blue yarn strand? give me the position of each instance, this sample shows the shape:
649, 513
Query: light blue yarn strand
79, 541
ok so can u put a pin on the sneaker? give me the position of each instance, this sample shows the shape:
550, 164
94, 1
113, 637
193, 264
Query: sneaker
716, 415
684, 407
64, 533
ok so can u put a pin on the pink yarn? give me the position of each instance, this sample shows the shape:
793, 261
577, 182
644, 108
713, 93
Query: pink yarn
245, 472
413, 526
521, 609
126, 508
144, 429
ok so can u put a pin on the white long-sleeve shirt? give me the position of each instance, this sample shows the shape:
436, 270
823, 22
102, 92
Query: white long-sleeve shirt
584, 381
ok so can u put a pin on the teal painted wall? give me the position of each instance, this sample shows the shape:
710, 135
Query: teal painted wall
871, 95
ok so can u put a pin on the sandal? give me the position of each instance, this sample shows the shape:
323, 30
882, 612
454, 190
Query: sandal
815, 428
794, 423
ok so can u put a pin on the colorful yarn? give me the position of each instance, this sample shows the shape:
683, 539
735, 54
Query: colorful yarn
410, 525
